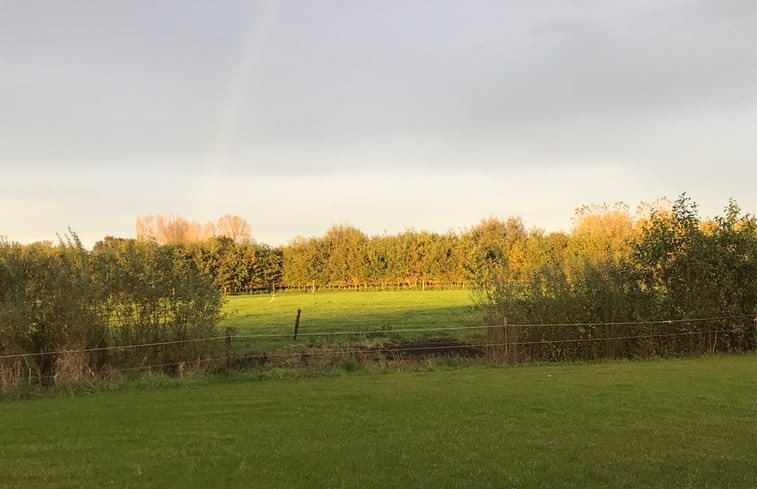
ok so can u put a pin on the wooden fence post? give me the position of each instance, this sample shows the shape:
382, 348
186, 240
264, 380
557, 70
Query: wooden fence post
228, 347
507, 341
297, 323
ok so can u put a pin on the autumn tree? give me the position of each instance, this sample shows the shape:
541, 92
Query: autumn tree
165, 229
234, 228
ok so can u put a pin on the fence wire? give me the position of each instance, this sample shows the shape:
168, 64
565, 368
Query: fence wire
110, 348
399, 349
489, 326
406, 330
463, 345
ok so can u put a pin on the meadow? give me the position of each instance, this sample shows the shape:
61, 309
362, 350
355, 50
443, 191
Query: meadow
677, 423
439, 322
344, 311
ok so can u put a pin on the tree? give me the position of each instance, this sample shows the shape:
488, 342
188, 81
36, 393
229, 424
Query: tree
166, 229
488, 266
689, 271
345, 248
268, 267
235, 228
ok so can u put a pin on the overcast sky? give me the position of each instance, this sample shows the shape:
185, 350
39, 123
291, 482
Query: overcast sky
297, 115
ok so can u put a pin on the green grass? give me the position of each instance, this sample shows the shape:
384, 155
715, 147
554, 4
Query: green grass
382, 311
662, 423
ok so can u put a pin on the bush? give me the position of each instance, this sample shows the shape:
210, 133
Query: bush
63, 298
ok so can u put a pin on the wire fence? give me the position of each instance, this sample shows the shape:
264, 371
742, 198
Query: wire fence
387, 332
388, 285
472, 346
416, 349
489, 326
112, 348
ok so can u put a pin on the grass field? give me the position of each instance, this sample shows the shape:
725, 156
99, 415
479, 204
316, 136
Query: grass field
661, 423
331, 311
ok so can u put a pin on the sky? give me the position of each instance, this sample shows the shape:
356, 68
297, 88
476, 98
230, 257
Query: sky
386, 115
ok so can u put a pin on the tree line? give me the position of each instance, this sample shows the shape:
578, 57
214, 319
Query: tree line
663, 262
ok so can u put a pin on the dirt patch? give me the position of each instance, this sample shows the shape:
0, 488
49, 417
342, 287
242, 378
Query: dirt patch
431, 347
333, 354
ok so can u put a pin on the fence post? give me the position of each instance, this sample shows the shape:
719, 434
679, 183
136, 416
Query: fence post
297, 323
507, 341
228, 347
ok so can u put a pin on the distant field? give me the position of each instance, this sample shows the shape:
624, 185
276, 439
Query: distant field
348, 311
649, 424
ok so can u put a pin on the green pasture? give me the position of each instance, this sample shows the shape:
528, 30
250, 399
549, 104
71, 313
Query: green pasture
344, 311
684, 423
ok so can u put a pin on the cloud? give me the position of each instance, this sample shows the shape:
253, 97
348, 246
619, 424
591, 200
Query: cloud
334, 84
114, 109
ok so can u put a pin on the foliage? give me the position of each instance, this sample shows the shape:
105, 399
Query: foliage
59, 298
610, 269
689, 269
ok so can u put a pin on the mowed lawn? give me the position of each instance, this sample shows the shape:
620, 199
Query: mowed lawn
343, 311
688, 423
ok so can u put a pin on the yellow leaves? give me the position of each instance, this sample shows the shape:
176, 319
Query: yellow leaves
603, 231
517, 258
708, 228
